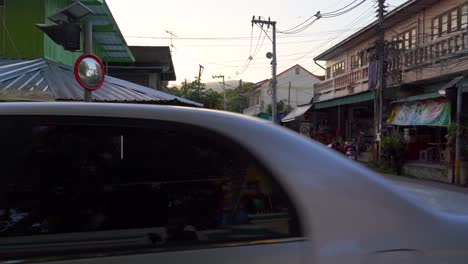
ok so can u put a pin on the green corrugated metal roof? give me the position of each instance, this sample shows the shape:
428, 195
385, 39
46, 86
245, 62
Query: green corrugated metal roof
107, 34
352, 99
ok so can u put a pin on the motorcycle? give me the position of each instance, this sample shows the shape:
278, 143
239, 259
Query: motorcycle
350, 151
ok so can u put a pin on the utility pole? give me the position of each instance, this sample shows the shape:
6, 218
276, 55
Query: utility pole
458, 140
200, 71
88, 49
289, 95
241, 97
381, 82
274, 108
224, 89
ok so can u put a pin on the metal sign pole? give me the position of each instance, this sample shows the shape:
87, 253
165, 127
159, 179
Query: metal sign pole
88, 49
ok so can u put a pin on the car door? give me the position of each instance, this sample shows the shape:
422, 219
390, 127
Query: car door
82, 189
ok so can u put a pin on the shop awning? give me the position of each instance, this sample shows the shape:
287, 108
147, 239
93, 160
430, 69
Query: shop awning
419, 97
452, 83
296, 112
352, 99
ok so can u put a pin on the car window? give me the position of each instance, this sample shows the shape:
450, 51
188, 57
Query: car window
81, 184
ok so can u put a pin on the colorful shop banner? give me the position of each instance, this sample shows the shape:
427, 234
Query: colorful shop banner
421, 113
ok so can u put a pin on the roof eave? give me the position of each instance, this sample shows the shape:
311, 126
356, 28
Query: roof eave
326, 54
117, 29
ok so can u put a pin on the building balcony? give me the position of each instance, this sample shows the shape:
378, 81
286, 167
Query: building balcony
435, 58
449, 47
342, 85
253, 110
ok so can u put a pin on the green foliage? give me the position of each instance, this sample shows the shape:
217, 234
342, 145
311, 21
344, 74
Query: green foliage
281, 106
392, 144
392, 151
235, 100
212, 99
452, 132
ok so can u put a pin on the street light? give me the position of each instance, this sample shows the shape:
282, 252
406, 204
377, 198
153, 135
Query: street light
66, 31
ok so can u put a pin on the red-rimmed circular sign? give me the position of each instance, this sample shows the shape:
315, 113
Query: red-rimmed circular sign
89, 72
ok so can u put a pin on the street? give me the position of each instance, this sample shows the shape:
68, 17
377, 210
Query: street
444, 197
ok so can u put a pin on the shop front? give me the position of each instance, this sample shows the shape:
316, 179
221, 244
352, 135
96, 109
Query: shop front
423, 124
346, 119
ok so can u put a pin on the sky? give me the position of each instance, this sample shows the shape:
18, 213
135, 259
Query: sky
219, 34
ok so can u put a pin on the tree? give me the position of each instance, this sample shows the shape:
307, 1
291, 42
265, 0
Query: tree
212, 99
236, 100
209, 98
281, 106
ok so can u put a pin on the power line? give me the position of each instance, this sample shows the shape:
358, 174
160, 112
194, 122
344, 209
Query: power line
330, 15
355, 21
301, 27
342, 7
293, 28
299, 30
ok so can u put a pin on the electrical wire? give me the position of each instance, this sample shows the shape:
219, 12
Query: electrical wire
231, 38
330, 15
266, 33
355, 21
293, 28
299, 30
249, 58
253, 55
342, 7
301, 27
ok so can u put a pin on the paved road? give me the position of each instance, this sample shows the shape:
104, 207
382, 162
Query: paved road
444, 197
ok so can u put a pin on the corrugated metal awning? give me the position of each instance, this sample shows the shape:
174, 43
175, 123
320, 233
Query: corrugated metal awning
296, 112
107, 34
420, 97
44, 80
352, 99
452, 83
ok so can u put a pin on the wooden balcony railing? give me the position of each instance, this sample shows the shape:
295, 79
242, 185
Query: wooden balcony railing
341, 85
445, 47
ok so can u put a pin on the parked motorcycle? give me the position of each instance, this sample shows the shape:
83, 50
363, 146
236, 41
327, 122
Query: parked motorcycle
350, 151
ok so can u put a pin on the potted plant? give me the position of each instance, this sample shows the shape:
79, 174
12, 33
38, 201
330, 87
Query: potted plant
392, 151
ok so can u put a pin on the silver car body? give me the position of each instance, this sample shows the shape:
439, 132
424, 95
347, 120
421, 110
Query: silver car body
349, 214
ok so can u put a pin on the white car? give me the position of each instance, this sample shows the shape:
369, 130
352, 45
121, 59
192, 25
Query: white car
116, 183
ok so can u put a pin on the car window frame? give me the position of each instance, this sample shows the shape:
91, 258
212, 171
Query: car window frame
161, 124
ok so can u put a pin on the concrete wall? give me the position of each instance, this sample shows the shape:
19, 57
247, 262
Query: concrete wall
427, 171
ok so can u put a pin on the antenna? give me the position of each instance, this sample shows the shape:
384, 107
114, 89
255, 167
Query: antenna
172, 35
